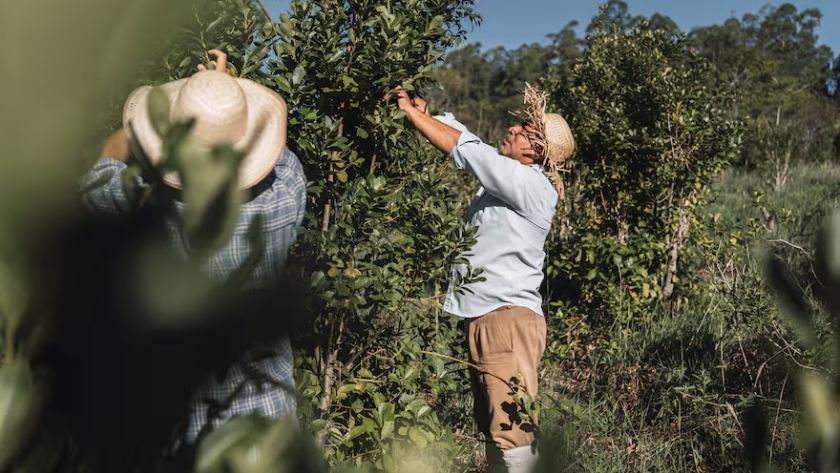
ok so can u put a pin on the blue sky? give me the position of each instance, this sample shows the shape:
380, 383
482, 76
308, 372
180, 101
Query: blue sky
511, 23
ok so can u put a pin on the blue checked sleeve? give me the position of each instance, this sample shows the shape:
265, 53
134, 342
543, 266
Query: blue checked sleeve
292, 177
101, 188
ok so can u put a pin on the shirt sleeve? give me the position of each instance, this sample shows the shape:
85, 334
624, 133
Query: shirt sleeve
504, 178
101, 188
290, 186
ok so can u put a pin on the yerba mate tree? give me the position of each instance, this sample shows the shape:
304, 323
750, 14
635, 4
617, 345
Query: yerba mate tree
382, 228
651, 138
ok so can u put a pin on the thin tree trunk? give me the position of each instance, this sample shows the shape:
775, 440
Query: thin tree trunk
328, 369
325, 223
677, 242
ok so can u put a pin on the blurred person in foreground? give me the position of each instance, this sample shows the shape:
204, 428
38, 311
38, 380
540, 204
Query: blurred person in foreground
512, 212
235, 111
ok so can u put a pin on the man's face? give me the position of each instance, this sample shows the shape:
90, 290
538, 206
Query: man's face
520, 144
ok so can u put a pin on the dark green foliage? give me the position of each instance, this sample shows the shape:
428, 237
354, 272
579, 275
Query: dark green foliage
650, 140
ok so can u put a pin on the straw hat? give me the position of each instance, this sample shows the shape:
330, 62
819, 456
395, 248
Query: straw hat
553, 134
558, 138
227, 110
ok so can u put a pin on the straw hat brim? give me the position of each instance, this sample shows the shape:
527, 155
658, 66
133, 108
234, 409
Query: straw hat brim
263, 141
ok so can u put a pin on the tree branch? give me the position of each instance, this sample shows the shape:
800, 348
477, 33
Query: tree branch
268, 16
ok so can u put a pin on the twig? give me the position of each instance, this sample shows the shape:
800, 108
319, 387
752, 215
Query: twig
467, 363
746, 361
776, 421
268, 16
779, 240
468, 437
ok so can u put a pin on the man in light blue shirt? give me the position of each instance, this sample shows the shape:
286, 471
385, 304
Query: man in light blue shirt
512, 212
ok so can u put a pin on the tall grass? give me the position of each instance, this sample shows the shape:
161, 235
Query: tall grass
669, 395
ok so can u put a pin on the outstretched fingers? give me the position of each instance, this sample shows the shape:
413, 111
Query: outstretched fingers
220, 61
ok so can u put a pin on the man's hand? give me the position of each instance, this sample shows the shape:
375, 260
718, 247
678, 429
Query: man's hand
403, 99
442, 136
407, 104
220, 62
116, 146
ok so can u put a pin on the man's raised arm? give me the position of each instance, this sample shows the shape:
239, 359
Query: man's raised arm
441, 135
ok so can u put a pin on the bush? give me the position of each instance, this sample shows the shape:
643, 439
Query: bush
651, 139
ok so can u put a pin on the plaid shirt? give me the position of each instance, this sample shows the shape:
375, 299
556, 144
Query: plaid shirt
280, 198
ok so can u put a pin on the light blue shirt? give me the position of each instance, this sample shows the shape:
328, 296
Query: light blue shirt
512, 213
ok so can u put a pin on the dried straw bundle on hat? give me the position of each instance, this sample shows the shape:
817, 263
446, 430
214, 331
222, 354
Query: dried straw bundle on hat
553, 135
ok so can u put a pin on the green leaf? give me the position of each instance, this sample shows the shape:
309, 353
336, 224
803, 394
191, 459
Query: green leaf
356, 431
214, 24
286, 25
211, 194
378, 400
316, 281
289, 49
213, 450
14, 295
387, 430
317, 425
20, 405
821, 412
159, 111
44, 455
417, 437
298, 75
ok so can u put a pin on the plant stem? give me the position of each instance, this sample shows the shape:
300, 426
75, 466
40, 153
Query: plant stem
325, 223
329, 372
268, 16
468, 364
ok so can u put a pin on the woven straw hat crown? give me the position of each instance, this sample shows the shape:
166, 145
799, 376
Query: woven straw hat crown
558, 138
219, 106
226, 110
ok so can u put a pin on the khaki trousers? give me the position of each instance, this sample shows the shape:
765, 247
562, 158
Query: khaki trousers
504, 344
